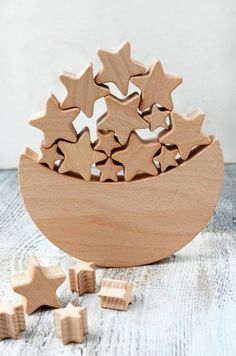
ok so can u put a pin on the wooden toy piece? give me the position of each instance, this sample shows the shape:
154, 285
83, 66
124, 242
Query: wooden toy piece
115, 294
186, 132
137, 157
12, 320
115, 224
122, 116
55, 123
79, 156
156, 118
118, 67
167, 158
71, 323
106, 142
82, 277
49, 156
109, 170
156, 86
82, 91
38, 285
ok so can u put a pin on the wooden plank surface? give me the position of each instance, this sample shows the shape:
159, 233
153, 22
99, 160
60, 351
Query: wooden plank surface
184, 305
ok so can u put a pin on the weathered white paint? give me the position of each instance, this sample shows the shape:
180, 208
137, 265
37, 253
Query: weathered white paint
39, 39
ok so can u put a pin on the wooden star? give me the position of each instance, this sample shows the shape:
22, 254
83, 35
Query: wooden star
49, 156
186, 132
156, 86
38, 285
12, 320
122, 116
118, 67
71, 323
106, 142
109, 170
137, 157
166, 158
82, 277
56, 123
79, 156
156, 118
82, 91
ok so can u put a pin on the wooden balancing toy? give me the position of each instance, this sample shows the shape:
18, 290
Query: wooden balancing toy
121, 200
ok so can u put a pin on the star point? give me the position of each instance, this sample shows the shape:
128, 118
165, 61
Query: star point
109, 170
49, 156
167, 158
106, 142
156, 118
12, 320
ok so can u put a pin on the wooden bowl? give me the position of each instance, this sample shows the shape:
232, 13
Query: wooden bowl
124, 224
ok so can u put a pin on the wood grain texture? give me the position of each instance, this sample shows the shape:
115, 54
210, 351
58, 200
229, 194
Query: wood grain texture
106, 142
49, 156
124, 224
109, 170
166, 158
183, 305
115, 294
82, 277
156, 118
12, 320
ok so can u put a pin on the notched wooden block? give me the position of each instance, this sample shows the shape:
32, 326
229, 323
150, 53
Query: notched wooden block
12, 320
38, 285
82, 277
115, 294
71, 323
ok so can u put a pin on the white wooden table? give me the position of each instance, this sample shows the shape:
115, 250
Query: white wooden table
184, 305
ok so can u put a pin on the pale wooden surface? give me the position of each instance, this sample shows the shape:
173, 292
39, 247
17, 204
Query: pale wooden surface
184, 305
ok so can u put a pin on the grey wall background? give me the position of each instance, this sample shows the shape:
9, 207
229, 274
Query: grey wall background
39, 39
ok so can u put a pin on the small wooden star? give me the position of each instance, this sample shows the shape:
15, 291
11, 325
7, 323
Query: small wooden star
122, 116
156, 118
186, 132
38, 285
118, 67
167, 158
156, 86
56, 123
12, 320
71, 323
79, 156
137, 157
49, 156
106, 142
109, 170
82, 277
82, 91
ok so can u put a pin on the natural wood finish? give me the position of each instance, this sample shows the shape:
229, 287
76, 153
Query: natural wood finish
186, 132
38, 285
167, 158
79, 156
156, 118
109, 170
49, 156
115, 294
122, 116
156, 86
106, 142
124, 224
118, 67
137, 157
55, 123
82, 91
12, 320
82, 277
71, 323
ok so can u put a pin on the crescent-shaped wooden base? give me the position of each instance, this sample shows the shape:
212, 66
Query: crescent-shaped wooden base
124, 224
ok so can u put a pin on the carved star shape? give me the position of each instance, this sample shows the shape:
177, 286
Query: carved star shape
186, 132
167, 158
79, 156
156, 86
156, 118
118, 67
56, 123
137, 157
106, 142
49, 156
109, 170
122, 116
12, 319
38, 285
82, 91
